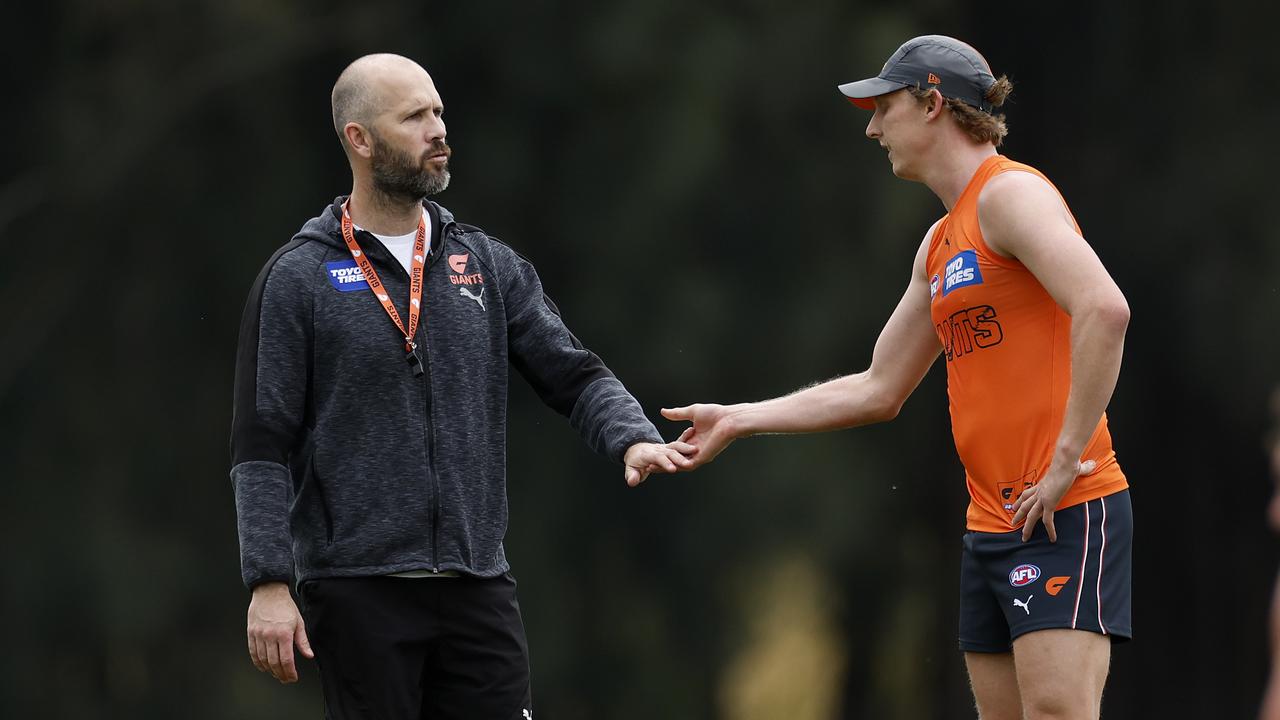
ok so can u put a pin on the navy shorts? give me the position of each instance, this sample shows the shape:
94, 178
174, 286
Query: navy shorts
1082, 582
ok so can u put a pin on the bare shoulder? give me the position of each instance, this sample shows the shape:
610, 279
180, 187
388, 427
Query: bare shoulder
1013, 185
1018, 207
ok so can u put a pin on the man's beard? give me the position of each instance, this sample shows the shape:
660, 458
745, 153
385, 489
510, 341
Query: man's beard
397, 176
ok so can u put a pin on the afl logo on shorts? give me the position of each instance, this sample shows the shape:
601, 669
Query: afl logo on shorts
1024, 575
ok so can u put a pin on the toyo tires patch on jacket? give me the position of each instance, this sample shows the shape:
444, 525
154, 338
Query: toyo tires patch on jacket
345, 276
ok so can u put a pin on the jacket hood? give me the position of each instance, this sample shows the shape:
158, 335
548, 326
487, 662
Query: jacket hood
327, 226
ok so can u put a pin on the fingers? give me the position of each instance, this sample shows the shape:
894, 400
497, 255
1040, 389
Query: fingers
1022, 505
284, 648
273, 659
1018, 514
680, 413
272, 652
634, 476
683, 459
1033, 516
258, 654
304, 644
683, 448
659, 459
667, 458
1038, 514
684, 436
670, 458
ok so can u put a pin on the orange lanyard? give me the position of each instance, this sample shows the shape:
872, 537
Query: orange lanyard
380, 291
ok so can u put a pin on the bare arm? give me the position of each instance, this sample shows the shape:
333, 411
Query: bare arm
907, 346
1023, 217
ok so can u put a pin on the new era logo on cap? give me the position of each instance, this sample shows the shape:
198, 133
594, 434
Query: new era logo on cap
934, 79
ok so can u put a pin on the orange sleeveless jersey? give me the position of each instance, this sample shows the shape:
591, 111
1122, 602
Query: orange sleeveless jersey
1008, 350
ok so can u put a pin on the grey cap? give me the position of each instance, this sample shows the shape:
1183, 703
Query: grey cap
954, 68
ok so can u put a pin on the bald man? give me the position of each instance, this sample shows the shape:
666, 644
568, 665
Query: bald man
368, 439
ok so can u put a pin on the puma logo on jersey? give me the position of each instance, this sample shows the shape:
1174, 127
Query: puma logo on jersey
1025, 605
477, 298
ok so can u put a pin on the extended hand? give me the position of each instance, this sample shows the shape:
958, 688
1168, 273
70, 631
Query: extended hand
274, 626
644, 458
1040, 500
712, 430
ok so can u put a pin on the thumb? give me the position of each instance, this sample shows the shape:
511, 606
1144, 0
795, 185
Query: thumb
632, 476
680, 413
300, 638
1086, 467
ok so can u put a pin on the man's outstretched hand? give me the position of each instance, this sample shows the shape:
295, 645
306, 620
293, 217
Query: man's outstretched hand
712, 430
644, 458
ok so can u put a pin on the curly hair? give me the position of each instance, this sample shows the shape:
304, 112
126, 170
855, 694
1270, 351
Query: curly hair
980, 125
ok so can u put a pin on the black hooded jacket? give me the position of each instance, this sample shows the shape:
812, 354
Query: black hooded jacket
344, 463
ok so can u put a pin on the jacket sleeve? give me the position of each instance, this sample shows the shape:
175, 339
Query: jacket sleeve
569, 378
270, 404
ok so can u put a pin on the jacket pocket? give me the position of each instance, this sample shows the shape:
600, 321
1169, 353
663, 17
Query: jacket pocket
316, 485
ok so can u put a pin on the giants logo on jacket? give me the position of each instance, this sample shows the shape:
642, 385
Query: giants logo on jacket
458, 264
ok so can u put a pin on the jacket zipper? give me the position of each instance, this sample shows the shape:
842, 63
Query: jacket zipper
429, 431
428, 440
428, 427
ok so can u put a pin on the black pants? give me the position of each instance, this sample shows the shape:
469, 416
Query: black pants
392, 648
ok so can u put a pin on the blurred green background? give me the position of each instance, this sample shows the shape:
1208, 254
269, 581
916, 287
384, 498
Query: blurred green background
704, 208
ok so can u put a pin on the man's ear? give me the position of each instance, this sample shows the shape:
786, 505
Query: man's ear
358, 139
934, 104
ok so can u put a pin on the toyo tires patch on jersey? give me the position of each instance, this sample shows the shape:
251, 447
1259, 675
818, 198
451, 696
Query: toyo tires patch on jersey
962, 270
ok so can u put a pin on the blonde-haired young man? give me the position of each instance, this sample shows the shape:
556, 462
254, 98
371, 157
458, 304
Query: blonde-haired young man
1032, 328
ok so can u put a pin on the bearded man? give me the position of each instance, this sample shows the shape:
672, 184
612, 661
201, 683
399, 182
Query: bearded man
368, 440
